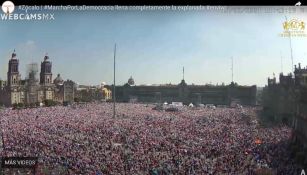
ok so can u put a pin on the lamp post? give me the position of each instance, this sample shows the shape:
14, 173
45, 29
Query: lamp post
114, 84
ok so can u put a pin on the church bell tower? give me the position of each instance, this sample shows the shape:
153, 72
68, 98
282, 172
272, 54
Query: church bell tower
46, 79
13, 81
46, 74
13, 76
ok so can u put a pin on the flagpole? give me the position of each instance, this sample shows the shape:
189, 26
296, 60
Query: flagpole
281, 63
114, 83
290, 45
183, 73
231, 69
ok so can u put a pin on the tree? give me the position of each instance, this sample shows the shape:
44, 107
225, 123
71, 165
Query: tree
49, 103
20, 105
76, 99
14, 105
37, 103
32, 105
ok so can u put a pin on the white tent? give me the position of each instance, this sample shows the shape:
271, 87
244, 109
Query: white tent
191, 105
201, 105
210, 106
177, 103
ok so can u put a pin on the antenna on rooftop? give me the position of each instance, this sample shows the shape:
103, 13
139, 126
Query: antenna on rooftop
183, 73
281, 63
114, 83
231, 69
290, 44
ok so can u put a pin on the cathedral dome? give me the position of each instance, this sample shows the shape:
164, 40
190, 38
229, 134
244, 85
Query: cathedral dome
58, 80
131, 81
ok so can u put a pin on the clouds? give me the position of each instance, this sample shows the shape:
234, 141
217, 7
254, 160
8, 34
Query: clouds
30, 43
27, 48
27, 52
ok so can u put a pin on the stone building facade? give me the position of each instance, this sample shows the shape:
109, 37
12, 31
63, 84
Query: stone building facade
279, 98
30, 90
86, 93
300, 119
286, 101
197, 94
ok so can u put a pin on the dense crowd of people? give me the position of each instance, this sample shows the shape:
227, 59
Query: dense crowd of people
87, 139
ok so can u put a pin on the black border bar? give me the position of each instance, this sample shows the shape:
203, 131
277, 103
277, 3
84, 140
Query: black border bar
160, 2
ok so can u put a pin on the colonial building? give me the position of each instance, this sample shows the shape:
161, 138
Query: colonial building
64, 90
300, 120
106, 93
93, 93
14, 90
283, 100
279, 98
58, 94
2, 84
286, 101
197, 94
33, 90
46, 79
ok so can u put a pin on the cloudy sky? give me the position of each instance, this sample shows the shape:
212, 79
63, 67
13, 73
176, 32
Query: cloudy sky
153, 46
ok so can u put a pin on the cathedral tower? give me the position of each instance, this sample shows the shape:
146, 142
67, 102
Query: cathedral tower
13, 76
46, 74
13, 81
46, 79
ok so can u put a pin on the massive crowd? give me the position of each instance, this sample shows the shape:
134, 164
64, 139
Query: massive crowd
86, 139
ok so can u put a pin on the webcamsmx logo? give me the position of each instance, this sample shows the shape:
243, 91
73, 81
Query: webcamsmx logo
27, 16
8, 7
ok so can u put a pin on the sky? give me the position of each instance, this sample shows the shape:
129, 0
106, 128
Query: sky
153, 46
